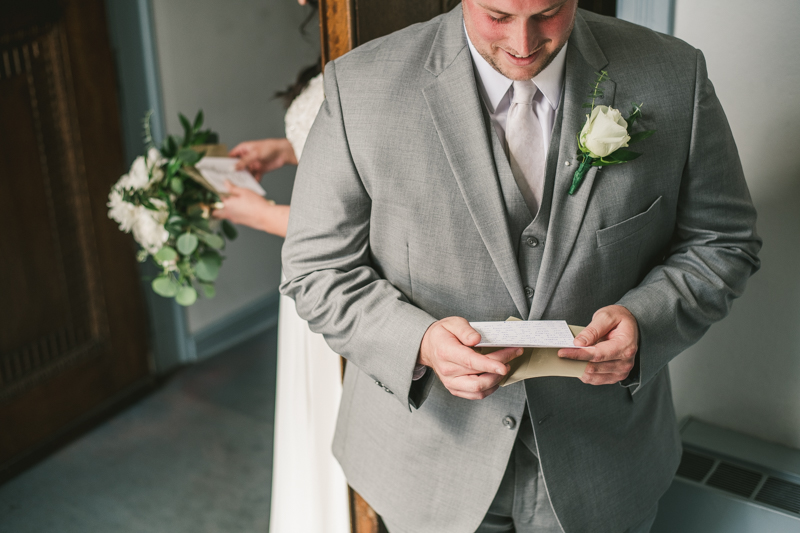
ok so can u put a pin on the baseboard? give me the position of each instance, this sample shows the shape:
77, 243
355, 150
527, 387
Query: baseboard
237, 327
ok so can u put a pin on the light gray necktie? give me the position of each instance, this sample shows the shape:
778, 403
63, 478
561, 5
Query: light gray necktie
525, 145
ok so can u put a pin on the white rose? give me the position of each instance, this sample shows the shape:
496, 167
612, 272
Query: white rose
124, 213
144, 170
605, 131
148, 228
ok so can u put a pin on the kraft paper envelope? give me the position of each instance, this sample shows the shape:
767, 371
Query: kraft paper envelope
541, 362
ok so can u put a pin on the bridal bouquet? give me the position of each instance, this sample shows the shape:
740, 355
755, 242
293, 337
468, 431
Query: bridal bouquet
167, 208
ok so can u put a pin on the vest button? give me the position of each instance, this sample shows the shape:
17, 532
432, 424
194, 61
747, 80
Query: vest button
528, 292
533, 242
509, 422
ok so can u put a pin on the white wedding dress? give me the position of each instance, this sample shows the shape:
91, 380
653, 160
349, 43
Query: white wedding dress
309, 490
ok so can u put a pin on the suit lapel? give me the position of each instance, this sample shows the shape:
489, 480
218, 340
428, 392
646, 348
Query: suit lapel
584, 60
456, 109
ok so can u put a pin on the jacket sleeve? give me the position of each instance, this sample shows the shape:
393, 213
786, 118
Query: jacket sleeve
714, 246
328, 267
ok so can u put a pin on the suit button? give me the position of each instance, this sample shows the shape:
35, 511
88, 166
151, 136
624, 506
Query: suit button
387, 390
509, 422
378, 383
528, 292
533, 242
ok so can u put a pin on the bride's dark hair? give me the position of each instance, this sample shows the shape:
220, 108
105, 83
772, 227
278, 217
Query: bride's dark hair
307, 73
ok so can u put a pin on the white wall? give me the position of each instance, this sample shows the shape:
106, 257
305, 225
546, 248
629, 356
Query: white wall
228, 58
745, 373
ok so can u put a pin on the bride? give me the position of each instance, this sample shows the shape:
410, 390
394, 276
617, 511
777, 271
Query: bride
309, 490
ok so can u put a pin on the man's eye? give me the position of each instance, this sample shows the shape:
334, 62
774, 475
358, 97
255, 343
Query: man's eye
498, 20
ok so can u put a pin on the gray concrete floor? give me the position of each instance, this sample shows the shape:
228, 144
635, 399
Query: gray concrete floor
193, 456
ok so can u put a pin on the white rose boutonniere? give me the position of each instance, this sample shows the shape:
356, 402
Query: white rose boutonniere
605, 136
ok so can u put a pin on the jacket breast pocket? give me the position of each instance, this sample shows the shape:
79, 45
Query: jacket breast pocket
629, 227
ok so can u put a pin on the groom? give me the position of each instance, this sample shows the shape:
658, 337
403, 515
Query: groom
433, 191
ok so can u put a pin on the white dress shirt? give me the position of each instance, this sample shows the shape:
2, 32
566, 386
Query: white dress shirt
496, 91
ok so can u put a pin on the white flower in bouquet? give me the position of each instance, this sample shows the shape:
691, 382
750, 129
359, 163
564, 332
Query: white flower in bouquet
145, 170
124, 213
148, 227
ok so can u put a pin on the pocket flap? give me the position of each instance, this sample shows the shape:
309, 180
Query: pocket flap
628, 227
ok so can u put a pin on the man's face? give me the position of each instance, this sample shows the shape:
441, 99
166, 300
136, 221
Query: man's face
519, 38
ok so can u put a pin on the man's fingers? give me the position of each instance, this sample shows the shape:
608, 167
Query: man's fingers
465, 334
474, 386
475, 363
504, 355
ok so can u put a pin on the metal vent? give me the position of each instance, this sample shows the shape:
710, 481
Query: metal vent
735, 479
694, 466
781, 494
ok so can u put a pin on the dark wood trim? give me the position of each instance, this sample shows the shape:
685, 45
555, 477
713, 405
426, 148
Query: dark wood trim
337, 28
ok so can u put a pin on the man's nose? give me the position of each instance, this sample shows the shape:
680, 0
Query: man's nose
524, 37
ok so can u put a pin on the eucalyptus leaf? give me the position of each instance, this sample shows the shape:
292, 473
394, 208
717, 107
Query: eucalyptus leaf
207, 269
208, 290
165, 286
176, 184
187, 243
186, 296
214, 241
166, 254
229, 230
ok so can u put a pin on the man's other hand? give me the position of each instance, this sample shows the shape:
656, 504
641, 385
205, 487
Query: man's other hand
447, 349
612, 340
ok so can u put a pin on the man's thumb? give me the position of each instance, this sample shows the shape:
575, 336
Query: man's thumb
601, 324
464, 332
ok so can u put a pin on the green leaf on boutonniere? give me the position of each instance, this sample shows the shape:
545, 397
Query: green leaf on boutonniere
623, 156
640, 136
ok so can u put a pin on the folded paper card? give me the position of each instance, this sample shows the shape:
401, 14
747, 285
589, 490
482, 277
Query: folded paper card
213, 172
526, 334
540, 362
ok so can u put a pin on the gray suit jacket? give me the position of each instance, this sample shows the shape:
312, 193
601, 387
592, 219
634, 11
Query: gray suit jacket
398, 219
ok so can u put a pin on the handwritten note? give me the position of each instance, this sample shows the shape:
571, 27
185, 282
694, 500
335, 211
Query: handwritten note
218, 169
526, 334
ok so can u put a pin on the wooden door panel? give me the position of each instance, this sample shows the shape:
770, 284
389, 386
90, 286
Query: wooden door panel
72, 326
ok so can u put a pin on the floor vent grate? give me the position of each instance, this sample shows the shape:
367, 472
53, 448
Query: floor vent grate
735, 479
694, 466
781, 494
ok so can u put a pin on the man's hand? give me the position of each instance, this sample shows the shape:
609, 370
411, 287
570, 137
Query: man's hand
613, 340
447, 348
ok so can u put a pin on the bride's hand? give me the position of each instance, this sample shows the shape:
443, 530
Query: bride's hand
265, 155
248, 208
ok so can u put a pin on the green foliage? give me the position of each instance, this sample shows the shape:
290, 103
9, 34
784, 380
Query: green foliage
191, 259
